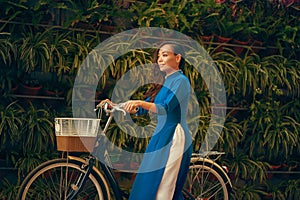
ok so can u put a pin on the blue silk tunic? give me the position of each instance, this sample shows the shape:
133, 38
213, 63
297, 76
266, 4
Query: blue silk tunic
171, 109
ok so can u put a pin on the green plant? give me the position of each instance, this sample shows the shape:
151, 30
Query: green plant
271, 132
34, 12
287, 38
228, 66
205, 133
11, 121
172, 14
250, 74
27, 161
231, 135
37, 133
248, 191
292, 190
243, 167
36, 139
275, 191
33, 51
90, 12
281, 72
81, 45
7, 83
6, 48
9, 190
257, 15
228, 27
60, 45
282, 30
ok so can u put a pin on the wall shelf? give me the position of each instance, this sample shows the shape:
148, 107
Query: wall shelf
37, 97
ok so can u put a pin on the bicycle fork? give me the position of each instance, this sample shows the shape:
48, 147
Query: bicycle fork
77, 186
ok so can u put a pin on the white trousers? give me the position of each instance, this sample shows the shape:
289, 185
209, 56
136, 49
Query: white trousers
168, 183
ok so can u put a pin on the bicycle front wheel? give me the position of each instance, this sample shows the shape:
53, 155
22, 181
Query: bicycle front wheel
206, 180
55, 179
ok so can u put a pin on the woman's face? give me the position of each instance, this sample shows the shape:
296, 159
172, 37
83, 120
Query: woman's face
167, 61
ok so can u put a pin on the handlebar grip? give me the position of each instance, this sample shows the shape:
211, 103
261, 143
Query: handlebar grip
108, 108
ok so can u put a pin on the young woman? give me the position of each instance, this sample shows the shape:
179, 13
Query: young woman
165, 164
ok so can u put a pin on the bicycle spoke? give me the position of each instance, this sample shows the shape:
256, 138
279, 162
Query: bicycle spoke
58, 181
204, 183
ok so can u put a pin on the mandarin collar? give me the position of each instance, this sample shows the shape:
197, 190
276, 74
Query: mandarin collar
173, 73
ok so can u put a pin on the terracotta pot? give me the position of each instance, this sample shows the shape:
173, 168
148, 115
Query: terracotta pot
239, 49
275, 167
221, 39
256, 46
287, 3
29, 90
14, 89
134, 165
118, 166
206, 38
53, 93
53, 101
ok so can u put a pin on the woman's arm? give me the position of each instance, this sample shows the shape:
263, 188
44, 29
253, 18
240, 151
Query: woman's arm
132, 106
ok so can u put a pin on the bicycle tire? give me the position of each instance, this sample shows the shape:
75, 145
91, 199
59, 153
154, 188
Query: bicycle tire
48, 181
206, 180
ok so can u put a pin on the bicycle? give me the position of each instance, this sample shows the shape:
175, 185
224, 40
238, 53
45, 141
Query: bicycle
72, 177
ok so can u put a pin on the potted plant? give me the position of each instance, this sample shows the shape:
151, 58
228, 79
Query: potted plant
248, 191
54, 94
33, 50
37, 139
291, 190
11, 121
53, 90
52, 86
29, 86
8, 83
6, 49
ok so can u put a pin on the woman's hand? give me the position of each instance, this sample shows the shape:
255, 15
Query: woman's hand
132, 106
106, 101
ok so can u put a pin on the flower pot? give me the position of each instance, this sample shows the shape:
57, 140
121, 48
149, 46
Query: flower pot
118, 166
221, 40
256, 46
86, 93
206, 38
29, 90
220, 1
134, 165
275, 167
239, 49
270, 175
55, 94
287, 3
268, 196
14, 89
52, 93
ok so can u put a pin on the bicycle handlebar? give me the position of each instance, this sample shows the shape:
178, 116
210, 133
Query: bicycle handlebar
110, 108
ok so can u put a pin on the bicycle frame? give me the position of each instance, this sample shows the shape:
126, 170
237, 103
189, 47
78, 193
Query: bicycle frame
106, 167
109, 175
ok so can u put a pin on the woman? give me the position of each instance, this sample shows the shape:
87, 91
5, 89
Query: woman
165, 164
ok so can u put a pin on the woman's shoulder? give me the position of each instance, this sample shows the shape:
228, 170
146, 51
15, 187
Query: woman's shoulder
180, 81
181, 77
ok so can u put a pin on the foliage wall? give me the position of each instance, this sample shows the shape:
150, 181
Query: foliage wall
43, 43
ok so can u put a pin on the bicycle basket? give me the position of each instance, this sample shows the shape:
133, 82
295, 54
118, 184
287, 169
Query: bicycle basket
76, 134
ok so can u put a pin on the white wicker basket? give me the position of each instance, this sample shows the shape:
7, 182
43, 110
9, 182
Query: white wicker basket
76, 134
